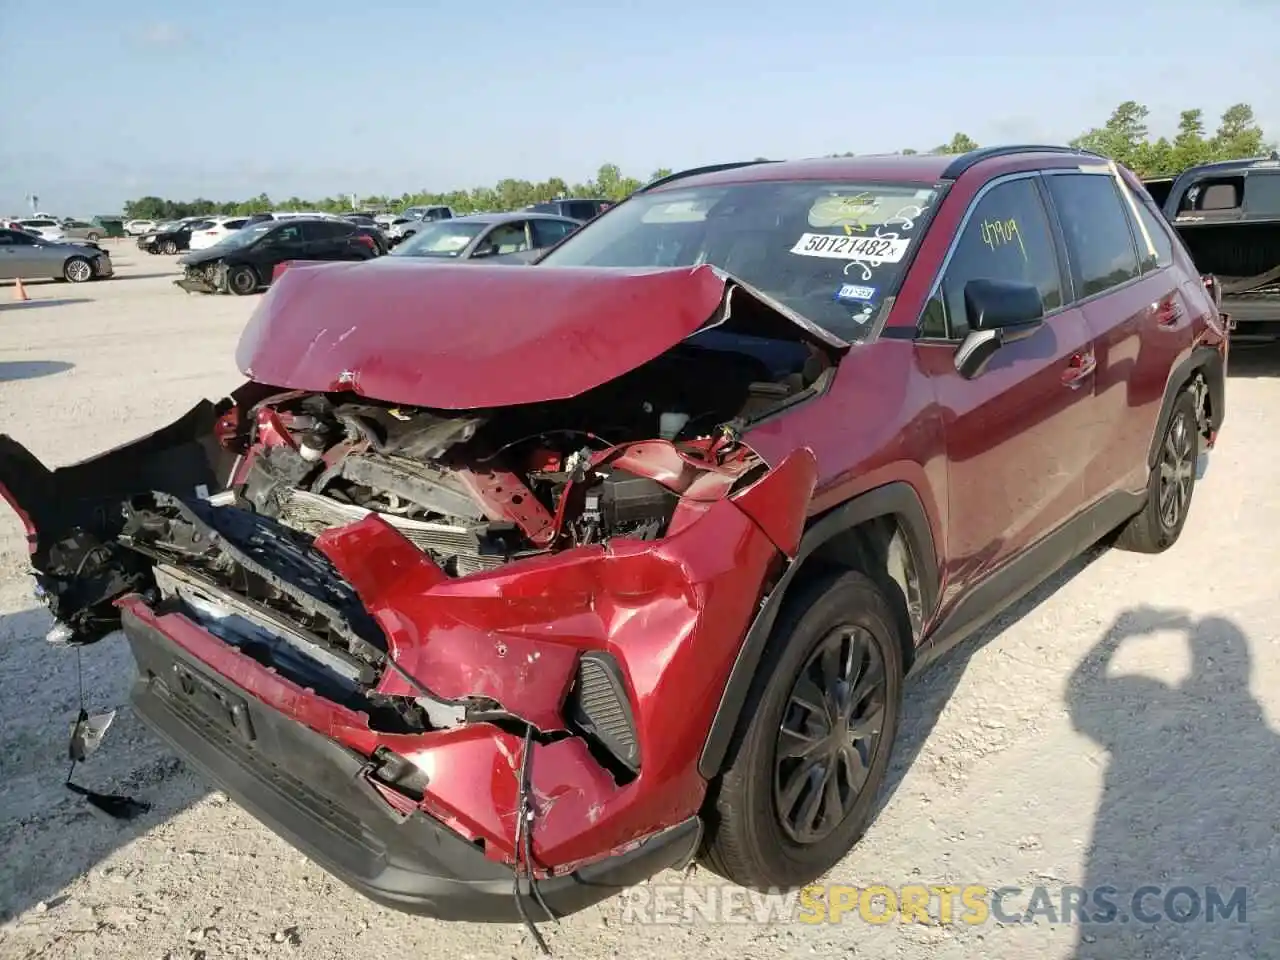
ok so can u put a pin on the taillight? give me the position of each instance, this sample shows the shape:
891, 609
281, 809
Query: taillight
366, 240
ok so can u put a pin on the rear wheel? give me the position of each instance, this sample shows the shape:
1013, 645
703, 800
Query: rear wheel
1169, 489
814, 740
77, 270
242, 281
93, 237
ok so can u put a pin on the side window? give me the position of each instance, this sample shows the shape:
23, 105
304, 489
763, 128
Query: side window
1008, 238
1215, 198
1099, 242
508, 238
547, 232
6, 239
1151, 231
283, 236
1262, 193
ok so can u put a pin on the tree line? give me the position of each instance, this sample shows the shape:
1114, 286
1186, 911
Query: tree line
1124, 137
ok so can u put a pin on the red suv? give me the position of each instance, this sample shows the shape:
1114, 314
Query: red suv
569, 573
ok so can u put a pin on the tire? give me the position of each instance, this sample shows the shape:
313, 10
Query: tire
170, 247
756, 833
1171, 485
92, 238
242, 281
77, 270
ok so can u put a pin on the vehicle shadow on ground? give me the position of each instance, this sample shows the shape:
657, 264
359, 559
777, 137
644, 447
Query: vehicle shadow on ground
927, 694
1254, 360
1189, 798
52, 837
32, 369
33, 304
173, 274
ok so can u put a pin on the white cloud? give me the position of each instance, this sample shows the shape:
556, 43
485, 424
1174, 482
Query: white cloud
163, 35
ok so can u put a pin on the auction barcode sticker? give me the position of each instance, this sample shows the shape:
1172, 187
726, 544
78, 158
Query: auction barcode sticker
836, 247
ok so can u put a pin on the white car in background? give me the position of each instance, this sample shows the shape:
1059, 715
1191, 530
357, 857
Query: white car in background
136, 228
48, 228
218, 230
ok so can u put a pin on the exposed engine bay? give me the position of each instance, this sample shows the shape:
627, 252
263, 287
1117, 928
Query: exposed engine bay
472, 491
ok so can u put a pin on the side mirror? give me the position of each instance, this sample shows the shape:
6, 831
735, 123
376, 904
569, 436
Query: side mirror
999, 312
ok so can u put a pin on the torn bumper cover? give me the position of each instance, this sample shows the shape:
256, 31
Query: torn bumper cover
326, 805
426, 822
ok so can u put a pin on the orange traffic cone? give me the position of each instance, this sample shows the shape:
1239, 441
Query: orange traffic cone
20, 292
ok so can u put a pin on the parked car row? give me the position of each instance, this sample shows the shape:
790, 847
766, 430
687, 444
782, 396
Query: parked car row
248, 258
52, 228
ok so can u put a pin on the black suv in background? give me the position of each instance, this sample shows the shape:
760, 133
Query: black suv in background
1228, 214
248, 259
576, 208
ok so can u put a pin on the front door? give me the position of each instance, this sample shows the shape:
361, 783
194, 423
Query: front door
1017, 435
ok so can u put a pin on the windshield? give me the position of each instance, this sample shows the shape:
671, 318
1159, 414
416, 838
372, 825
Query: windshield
832, 252
246, 235
444, 238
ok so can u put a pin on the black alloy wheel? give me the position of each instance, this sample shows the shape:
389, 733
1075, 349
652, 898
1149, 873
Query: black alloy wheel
1177, 471
829, 736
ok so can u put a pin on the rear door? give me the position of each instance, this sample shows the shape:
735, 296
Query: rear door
1122, 273
285, 242
1017, 435
10, 254
26, 257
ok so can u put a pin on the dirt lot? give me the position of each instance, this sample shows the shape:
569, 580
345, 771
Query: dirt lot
1033, 757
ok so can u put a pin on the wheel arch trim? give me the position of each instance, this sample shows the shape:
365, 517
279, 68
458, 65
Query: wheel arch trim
1203, 359
896, 499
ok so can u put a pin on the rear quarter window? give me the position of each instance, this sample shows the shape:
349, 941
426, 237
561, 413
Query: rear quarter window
1151, 230
1262, 193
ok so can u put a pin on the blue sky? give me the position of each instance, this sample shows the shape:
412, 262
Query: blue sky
105, 101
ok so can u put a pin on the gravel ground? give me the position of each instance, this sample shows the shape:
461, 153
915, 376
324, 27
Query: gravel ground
1118, 728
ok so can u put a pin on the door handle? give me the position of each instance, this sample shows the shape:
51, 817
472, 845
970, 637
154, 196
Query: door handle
1079, 367
1168, 312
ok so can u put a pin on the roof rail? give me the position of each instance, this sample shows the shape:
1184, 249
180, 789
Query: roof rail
695, 171
967, 160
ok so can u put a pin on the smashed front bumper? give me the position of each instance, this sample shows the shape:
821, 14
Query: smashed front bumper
203, 280
317, 794
195, 285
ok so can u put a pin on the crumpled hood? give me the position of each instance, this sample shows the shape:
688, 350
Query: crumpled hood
466, 336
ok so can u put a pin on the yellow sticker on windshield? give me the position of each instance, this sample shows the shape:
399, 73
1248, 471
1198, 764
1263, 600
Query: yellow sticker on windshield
852, 212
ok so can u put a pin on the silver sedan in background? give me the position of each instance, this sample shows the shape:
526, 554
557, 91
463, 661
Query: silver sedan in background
25, 256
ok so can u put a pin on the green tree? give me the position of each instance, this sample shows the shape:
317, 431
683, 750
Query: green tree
960, 143
1238, 135
1121, 136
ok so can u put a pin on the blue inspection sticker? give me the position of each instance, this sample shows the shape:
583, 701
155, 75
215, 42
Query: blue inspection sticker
854, 291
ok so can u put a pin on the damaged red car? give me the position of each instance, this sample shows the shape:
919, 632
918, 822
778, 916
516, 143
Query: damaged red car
496, 591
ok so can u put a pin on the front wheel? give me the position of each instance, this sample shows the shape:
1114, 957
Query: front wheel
77, 270
170, 247
814, 740
92, 238
242, 281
